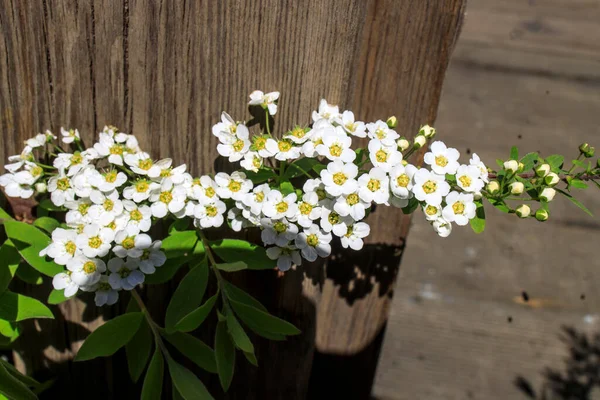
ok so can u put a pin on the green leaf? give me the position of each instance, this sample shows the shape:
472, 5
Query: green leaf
500, 205
240, 338
187, 384
286, 188
411, 207
232, 267
46, 223
319, 167
153, 382
24, 379
251, 357
12, 388
138, 351
577, 183
57, 297
225, 355
167, 271
110, 337
29, 241
179, 244
10, 262
267, 321
4, 215
195, 318
47, 204
232, 250
514, 153
478, 223
236, 294
194, 349
188, 296
263, 175
179, 225
300, 167
555, 161
28, 274
9, 330
582, 165
16, 307
575, 201
529, 161
500, 162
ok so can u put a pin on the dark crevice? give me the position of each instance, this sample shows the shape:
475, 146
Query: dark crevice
126, 64
48, 60
91, 44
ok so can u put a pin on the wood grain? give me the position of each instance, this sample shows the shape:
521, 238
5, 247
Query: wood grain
164, 71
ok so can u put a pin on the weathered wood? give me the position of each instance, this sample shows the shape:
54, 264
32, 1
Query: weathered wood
164, 70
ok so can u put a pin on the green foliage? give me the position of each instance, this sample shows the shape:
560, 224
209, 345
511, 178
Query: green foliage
153, 382
48, 205
234, 250
232, 267
263, 175
575, 201
188, 296
110, 337
138, 351
478, 223
555, 161
266, 321
10, 262
180, 248
17, 307
303, 166
29, 241
240, 339
47, 224
9, 330
194, 349
186, 383
4, 215
286, 188
28, 274
529, 161
514, 153
57, 297
225, 355
13, 388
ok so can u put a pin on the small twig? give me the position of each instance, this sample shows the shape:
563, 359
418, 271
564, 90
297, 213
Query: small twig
151, 323
527, 175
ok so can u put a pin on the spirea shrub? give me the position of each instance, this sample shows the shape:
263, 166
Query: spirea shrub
302, 189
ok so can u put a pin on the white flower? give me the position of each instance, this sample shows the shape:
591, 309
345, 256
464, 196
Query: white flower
401, 180
78, 211
351, 205
383, 156
317, 186
209, 214
380, 131
69, 136
430, 187
278, 232
355, 128
129, 242
19, 160
326, 112
259, 145
256, 199
224, 129
313, 242
354, 235
140, 190
252, 161
234, 146
106, 207
85, 271
315, 138
339, 178
286, 256
73, 163
432, 213
124, 274
61, 189
277, 206
233, 186
267, 101
169, 198
63, 247
38, 140
459, 208
63, 281
374, 187
476, 161
14, 188
142, 164
468, 178
81, 181
443, 160
203, 189
298, 135
308, 209
95, 240
176, 175
107, 146
107, 181
237, 220
334, 222
442, 227
105, 295
283, 149
336, 145
151, 258
137, 216
28, 176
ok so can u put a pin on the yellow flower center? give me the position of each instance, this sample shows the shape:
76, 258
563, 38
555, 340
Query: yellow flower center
95, 242
142, 186
259, 197
36, 171
257, 162
80, 228
83, 208
136, 215
145, 164
111, 176
104, 287
70, 247
305, 208
458, 208
321, 194
298, 132
339, 178
441, 161
280, 227
431, 210
210, 192
165, 173
89, 267
335, 150
238, 145
112, 225
145, 255
284, 145
381, 156
402, 180
234, 186
281, 207
211, 211
124, 272
349, 232
373, 185
116, 149
352, 199
465, 180
429, 187
333, 218
351, 126
165, 197
380, 133
312, 240
108, 205
259, 143
63, 184
76, 158
128, 243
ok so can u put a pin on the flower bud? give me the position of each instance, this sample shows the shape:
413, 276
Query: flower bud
542, 170
403, 144
420, 141
511, 166
493, 187
40, 187
477, 196
427, 131
404, 162
523, 211
547, 194
392, 122
586, 150
551, 179
542, 215
521, 167
516, 188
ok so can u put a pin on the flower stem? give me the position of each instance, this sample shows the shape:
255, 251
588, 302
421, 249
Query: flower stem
213, 265
267, 121
153, 326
